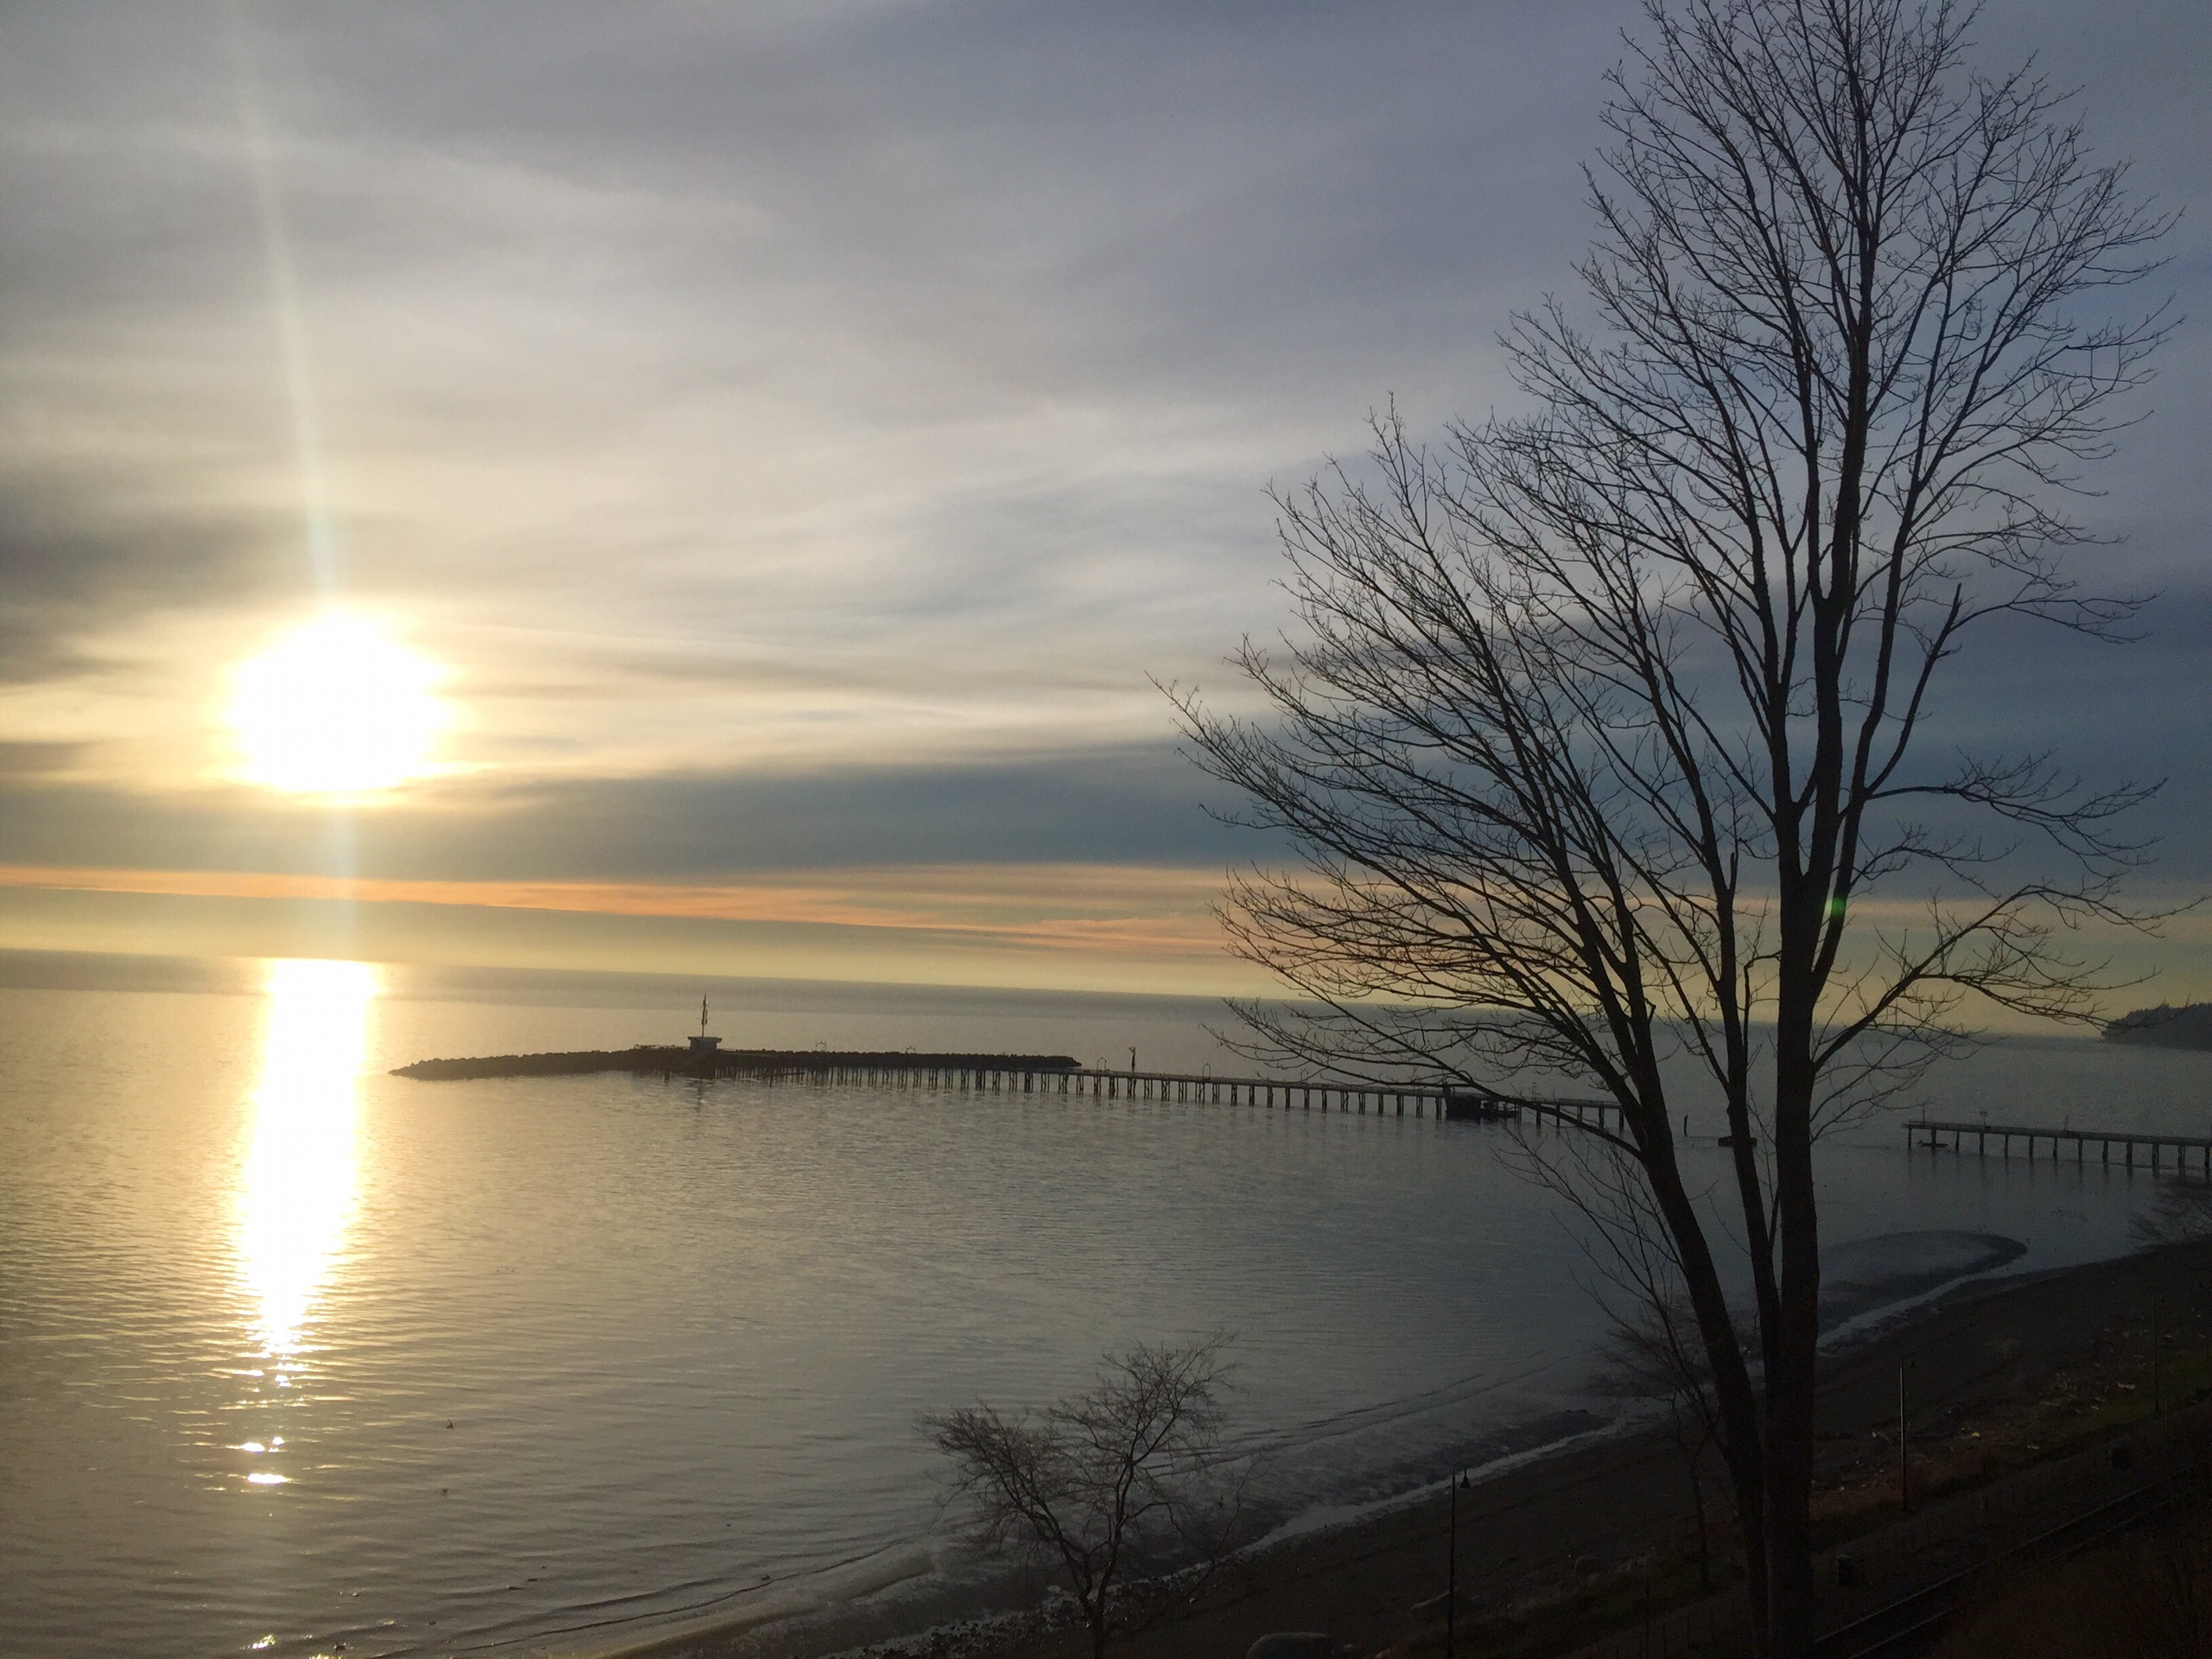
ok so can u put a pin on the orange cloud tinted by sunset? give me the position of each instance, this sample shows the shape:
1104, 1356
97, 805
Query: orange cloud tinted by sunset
1111, 908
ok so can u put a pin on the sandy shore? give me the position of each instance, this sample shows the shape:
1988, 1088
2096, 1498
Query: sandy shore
1990, 1359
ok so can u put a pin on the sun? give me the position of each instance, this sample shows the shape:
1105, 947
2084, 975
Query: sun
336, 707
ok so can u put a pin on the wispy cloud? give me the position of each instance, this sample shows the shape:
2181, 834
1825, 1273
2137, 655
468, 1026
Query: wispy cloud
1102, 909
804, 428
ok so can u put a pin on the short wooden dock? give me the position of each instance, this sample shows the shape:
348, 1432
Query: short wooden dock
2182, 1154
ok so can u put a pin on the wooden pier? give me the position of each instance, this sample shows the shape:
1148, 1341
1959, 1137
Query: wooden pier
1447, 1102
1031, 1074
1058, 1074
2183, 1154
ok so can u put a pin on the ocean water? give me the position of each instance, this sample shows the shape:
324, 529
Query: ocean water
294, 1353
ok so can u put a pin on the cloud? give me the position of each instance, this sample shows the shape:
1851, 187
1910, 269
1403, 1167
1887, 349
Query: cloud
951, 340
1092, 910
1130, 805
1143, 956
804, 428
83, 544
37, 759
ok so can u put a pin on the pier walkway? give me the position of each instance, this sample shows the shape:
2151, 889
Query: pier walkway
1033, 1074
1203, 1087
2182, 1154
1058, 1074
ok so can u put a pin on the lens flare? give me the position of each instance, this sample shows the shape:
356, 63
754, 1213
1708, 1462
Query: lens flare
336, 707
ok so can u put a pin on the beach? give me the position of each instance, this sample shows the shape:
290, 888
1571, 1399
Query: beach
2001, 1370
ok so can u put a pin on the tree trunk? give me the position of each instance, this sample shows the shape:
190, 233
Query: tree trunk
1751, 1526
1697, 1507
1789, 1518
1790, 1380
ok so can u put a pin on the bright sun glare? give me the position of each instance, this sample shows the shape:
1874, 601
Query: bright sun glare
297, 1195
336, 707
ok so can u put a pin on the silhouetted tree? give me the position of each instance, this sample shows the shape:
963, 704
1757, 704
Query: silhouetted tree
1113, 1486
1656, 1353
1604, 738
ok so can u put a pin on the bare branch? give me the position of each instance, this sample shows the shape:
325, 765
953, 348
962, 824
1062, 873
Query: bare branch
1122, 1486
1600, 733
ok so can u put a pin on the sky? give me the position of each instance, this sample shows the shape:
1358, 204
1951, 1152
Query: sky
801, 436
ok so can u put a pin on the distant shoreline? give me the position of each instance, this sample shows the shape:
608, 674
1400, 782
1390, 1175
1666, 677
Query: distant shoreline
2189, 1026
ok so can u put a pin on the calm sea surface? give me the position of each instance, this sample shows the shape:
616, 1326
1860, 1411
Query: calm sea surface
294, 1353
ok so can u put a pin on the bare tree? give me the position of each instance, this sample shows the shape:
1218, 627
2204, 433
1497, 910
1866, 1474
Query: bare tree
1605, 741
1117, 1487
1655, 1354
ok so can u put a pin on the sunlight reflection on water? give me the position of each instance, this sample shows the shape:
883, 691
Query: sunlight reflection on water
295, 1196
